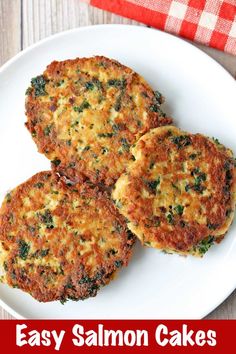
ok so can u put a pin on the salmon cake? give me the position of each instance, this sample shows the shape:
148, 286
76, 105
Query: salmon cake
60, 242
84, 114
179, 193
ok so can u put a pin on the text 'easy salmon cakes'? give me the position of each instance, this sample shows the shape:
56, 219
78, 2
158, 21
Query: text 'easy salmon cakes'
179, 193
60, 242
84, 115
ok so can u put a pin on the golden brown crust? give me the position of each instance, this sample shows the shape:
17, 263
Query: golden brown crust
61, 242
179, 194
84, 114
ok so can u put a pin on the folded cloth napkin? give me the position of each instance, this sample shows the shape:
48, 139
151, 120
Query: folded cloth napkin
210, 22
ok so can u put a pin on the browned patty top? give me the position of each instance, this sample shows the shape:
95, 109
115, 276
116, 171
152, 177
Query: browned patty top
179, 193
84, 114
60, 242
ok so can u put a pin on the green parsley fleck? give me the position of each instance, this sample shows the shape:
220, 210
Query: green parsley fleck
63, 301
31, 229
204, 245
44, 253
47, 219
84, 105
28, 91
111, 252
125, 144
117, 83
216, 141
155, 108
170, 218
39, 185
179, 209
39, 83
158, 97
212, 226
117, 105
8, 197
106, 135
60, 83
89, 85
118, 264
85, 280
152, 185
56, 162
116, 127
193, 156
175, 186
23, 249
47, 130
152, 164
181, 141
69, 285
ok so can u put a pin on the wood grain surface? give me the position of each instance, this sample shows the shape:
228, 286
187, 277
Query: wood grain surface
24, 22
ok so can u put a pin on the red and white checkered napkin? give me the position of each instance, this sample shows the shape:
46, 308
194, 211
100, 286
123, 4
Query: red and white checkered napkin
210, 22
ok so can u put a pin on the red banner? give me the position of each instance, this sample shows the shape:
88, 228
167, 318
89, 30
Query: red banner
111, 336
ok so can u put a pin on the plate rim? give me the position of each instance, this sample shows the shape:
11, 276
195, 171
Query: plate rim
89, 27
185, 43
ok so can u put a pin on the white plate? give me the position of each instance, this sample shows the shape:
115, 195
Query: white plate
201, 96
